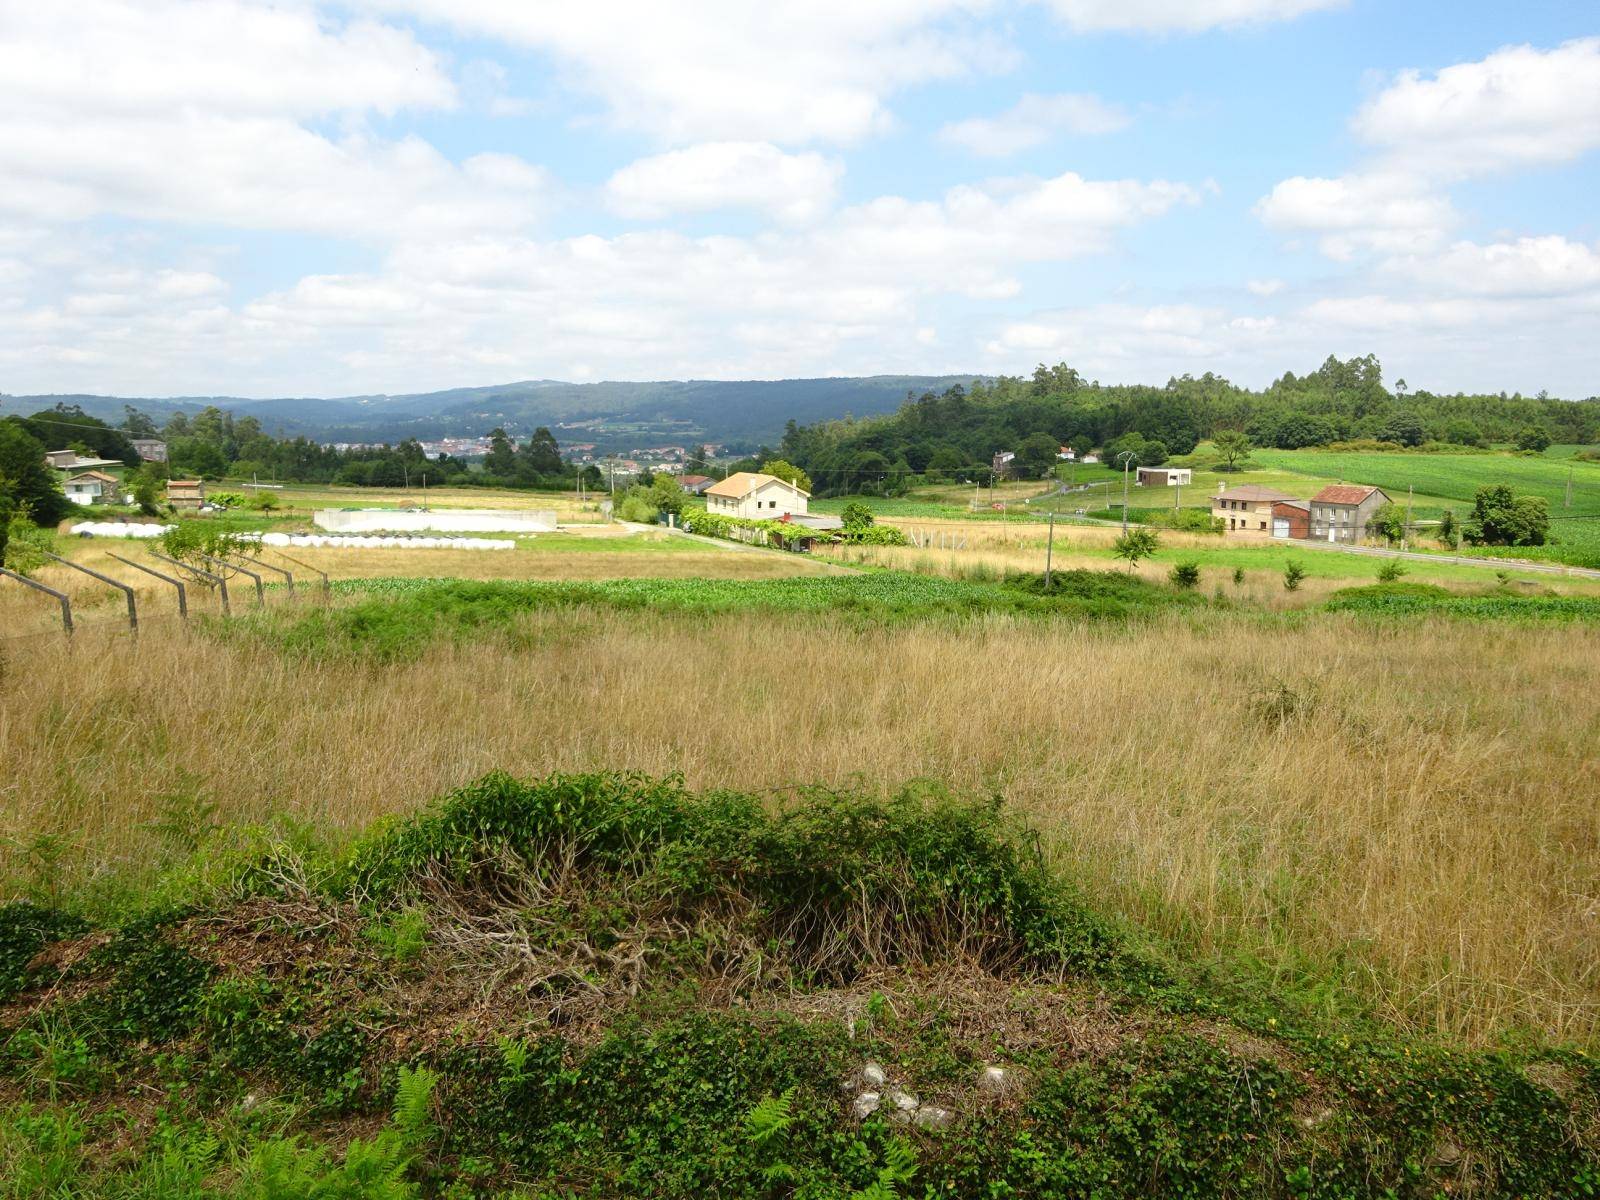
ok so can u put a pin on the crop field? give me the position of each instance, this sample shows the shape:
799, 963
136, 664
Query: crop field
601, 553
305, 496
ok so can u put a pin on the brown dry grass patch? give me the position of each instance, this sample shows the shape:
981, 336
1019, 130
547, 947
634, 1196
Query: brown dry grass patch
1419, 824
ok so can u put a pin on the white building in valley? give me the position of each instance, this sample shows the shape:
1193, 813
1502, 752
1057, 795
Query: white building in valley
757, 497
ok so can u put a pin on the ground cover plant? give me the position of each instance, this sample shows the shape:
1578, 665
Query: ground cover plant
1421, 599
393, 619
605, 985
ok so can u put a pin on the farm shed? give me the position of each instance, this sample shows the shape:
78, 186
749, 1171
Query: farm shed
185, 493
1291, 518
1165, 476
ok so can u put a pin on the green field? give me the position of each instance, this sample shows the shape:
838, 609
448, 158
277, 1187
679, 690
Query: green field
1436, 481
1451, 480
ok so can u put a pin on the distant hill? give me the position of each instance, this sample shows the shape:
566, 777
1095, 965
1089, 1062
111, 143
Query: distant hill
737, 411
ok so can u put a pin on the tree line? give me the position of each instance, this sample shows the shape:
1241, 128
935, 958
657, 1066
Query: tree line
956, 434
213, 444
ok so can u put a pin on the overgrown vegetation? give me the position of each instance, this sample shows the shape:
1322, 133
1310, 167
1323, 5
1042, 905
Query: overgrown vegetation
625, 989
396, 619
1398, 599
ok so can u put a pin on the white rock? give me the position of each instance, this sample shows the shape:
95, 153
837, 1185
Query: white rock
932, 1117
995, 1079
873, 1075
904, 1101
866, 1104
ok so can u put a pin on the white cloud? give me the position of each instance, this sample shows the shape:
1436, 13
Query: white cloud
794, 188
1530, 266
1034, 120
784, 71
148, 57
1264, 287
1520, 106
1180, 16
192, 111
854, 293
1441, 341
1351, 213
1118, 338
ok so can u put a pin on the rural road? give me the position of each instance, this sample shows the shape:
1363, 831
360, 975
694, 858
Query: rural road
744, 547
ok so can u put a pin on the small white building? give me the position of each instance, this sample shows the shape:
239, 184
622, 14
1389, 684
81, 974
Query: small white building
756, 497
1165, 476
90, 487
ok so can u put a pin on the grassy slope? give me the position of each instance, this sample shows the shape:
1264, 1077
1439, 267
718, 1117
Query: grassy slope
1444, 480
605, 986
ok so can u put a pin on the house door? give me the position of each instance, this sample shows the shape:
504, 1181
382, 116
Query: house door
1280, 527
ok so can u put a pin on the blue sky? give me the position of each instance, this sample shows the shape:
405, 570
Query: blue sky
226, 196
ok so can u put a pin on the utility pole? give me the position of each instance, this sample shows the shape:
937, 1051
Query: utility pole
1126, 457
1405, 534
1049, 551
1568, 502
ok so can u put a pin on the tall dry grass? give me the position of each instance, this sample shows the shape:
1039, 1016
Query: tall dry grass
1411, 810
24, 612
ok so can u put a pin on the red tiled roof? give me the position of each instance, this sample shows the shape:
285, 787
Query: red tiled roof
1343, 493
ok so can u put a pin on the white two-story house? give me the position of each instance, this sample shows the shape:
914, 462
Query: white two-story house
756, 497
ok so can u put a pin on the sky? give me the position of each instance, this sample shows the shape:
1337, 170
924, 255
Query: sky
383, 196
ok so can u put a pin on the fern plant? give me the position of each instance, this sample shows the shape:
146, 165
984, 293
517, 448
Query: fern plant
899, 1167
413, 1105
767, 1126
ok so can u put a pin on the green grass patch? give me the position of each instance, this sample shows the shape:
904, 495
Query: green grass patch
1422, 599
391, 620
1452, 480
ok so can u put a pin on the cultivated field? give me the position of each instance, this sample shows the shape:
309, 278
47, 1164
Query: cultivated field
300, 498
990, 547
603, 552
1395, 814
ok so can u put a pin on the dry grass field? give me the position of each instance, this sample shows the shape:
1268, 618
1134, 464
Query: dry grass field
994, 548
1401, 813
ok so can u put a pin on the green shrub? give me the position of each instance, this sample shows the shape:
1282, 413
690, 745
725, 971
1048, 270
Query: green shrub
1185, 575
856, 513
853, 880
1293, 573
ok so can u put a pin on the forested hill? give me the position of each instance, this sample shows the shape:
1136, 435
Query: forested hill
961, 428
740, 411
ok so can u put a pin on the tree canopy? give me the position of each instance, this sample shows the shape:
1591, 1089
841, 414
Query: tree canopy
956, 434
